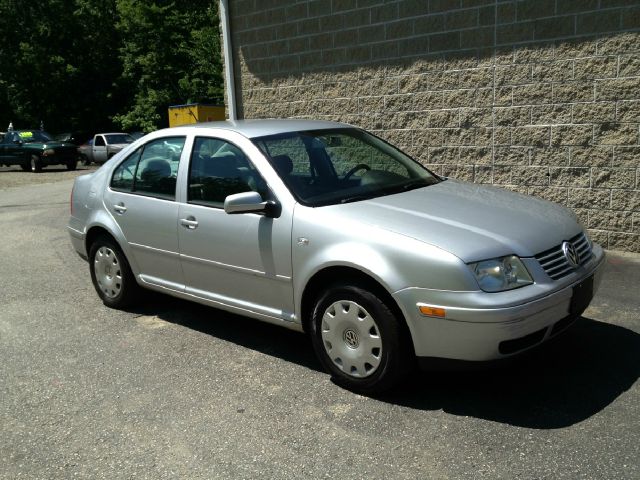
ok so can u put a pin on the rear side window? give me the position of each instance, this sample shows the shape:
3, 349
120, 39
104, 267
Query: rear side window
151, 170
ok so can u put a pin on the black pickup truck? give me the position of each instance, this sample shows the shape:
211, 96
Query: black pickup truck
35, 149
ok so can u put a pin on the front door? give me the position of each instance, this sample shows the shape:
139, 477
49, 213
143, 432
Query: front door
243, 260
4, 143
99, 149
11, 149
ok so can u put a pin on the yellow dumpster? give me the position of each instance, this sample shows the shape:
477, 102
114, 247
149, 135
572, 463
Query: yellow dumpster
194, 113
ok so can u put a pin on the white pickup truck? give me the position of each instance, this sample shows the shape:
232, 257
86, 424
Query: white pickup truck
103, 146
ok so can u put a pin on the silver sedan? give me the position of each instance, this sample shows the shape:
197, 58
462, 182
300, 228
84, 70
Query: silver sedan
325, 228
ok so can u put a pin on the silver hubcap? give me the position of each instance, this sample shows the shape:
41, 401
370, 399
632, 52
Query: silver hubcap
108, 272
351, 339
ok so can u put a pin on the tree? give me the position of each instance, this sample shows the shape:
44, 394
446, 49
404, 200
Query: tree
170, 55
96, 64
56, 68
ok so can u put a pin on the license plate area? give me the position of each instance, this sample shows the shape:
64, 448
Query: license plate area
582, 295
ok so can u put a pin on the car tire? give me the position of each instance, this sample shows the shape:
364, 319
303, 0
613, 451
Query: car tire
85, 160
111, 274
72, 164
35, 164
359, 339
26, 166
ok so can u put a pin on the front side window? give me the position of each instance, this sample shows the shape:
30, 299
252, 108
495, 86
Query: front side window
151, 170
324, 167
11, 137
99, 141
219, 169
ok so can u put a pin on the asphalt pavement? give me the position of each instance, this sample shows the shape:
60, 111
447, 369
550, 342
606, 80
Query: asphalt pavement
177, 390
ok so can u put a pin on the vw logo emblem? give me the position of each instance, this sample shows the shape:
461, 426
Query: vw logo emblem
571, 254
350, 337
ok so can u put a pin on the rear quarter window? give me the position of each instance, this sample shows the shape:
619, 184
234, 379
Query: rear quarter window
124, 174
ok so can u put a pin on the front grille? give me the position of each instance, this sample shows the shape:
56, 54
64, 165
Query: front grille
554, 262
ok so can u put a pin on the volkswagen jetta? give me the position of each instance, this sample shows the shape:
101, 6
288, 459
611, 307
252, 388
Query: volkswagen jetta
325, 228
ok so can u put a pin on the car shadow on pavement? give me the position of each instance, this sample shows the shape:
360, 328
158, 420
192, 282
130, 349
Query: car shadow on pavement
266, 338
555, 386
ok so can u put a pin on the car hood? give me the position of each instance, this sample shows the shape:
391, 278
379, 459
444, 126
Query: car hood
471, 221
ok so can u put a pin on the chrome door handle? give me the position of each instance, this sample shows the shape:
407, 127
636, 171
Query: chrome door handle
189, 222
120, 208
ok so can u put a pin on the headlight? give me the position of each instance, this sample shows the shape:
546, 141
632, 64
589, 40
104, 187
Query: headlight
48, 152
499, 274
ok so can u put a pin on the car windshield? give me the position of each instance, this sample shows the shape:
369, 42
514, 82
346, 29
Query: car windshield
119, 138
34, 136
325, 167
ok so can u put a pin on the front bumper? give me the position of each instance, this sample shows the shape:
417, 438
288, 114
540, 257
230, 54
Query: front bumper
474, 331
59, 158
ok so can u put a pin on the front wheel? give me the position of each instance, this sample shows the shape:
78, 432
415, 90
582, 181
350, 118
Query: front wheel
111, 274
72, 164
359, 340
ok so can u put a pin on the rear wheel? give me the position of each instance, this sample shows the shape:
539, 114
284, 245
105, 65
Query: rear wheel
359, 340
35, 163
111, 274
85, 160
72, 164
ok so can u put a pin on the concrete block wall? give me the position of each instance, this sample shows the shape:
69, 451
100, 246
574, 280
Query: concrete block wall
538, 96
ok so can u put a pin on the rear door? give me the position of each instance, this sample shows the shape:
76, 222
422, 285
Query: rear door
142, 200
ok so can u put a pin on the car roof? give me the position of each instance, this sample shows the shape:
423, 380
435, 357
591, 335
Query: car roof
261, 128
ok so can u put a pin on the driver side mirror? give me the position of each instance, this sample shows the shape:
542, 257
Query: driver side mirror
250, 202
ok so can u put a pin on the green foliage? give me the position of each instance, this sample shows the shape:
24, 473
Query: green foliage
170, 55
102, 64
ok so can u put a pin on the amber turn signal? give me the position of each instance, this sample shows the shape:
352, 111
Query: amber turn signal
432, 311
